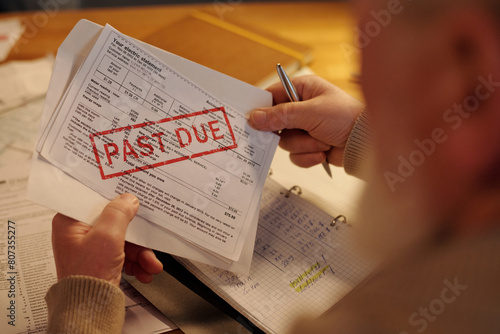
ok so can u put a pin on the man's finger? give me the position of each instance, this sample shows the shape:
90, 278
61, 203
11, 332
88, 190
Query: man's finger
116, 216
298, 141
303, 84
144, 256
336, 156
292, 115
148, 261
307, 160
140, 274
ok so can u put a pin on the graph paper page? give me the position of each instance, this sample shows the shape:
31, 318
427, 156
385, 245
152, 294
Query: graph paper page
301, 264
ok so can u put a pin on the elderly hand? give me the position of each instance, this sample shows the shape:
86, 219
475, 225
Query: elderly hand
315, 128
100, 250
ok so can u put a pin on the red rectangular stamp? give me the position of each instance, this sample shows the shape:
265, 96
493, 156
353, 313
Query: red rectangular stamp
153, 144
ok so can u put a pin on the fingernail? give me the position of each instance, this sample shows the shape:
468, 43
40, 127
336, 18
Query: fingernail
259, 117
323, 147
129, 198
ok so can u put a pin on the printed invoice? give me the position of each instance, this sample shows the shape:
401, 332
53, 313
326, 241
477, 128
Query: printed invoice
130, 123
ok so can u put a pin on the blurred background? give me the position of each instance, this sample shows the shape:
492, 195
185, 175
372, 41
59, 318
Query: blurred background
21, 5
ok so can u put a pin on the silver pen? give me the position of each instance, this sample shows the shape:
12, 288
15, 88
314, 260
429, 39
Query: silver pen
294, 97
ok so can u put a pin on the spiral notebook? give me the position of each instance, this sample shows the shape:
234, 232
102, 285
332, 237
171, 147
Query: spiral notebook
303, 262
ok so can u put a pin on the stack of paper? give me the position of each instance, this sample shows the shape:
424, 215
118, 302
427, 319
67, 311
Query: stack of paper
27, 263
123, 116
10, 31
23, 81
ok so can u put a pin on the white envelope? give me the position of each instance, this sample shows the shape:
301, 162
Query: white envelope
56, 190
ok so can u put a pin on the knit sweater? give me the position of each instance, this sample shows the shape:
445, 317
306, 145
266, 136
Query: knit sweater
358, 148
84, 304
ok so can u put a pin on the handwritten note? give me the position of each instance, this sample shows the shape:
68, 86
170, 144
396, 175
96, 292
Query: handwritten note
301, 264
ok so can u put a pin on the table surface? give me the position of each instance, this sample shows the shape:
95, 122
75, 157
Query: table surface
324, 26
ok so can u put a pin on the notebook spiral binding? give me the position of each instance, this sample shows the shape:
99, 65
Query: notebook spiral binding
335, 221
339, 219
294, 188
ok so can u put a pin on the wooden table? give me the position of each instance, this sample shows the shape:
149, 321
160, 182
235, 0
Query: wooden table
324, 26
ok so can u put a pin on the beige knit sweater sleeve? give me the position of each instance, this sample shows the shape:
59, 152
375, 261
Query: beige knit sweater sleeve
83, 304
358, 147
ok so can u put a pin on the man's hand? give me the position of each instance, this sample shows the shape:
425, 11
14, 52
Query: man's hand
100, 250
316, 127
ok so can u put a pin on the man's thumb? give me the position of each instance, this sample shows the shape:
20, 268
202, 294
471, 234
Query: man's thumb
281, 116
118, 213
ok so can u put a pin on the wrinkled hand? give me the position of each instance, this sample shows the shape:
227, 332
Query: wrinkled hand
100, 250
314, 129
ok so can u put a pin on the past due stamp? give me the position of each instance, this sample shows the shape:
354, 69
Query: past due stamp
147, 145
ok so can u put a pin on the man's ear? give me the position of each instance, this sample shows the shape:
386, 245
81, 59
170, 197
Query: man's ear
473, 40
